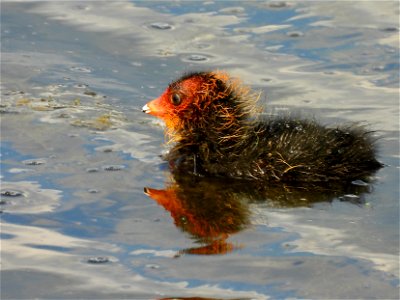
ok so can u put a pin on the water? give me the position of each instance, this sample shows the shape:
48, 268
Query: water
77, 151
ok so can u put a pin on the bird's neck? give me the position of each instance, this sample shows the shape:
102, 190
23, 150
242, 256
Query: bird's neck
219, 132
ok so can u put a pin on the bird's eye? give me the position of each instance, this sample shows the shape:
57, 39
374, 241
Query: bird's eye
176, 99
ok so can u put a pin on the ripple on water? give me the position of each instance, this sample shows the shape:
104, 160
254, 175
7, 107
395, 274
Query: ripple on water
198, 58
359, 183
161, 26
34, 162
233, 10
11, 193
28, 197
81, 86
280, 4
294, 34
81, 69
352, 198
92, 170
390, 29
98, 260
113, 167
152, 266
202, 46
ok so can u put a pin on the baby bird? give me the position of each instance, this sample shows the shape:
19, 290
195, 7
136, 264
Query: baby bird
211, 119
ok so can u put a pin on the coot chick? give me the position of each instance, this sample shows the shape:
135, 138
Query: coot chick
212, 120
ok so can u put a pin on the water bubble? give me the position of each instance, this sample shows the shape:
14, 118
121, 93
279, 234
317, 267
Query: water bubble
294, 34
161, 26
98, 260
82, 7
289, 246
89, 93
298, 262
34, 162
196, 58
81, 69
359, 183
202, 46
350, 197
11, 193
280, 4
390, 29
92, 170
165, 52
299, 128
113, 167
390, 50
232, 10
152, 266
379, 68
81, 85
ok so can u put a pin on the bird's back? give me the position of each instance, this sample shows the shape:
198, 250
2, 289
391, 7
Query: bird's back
302, 150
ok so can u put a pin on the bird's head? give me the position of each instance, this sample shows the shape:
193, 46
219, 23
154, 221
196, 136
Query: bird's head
197, 99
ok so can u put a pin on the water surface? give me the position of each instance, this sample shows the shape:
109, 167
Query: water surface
77, 151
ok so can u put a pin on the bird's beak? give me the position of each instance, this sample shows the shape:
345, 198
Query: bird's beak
154, 108
167, 198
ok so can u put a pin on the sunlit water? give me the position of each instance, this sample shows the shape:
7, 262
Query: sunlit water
77, 151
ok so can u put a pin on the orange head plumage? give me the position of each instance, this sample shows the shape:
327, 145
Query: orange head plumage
195, 99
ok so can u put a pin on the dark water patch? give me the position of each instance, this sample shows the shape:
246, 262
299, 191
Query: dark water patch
79, 222
6, 236
390, 29
50, 247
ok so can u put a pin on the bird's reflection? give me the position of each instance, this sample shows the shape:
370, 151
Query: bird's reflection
212, 209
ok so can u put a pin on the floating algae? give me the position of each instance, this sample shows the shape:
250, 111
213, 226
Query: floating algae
102, 122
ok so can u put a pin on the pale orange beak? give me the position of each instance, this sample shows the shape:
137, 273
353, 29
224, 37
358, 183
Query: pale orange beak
161, 196
166, 198
154, 107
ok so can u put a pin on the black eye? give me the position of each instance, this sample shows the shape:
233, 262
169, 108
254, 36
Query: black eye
176, 99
